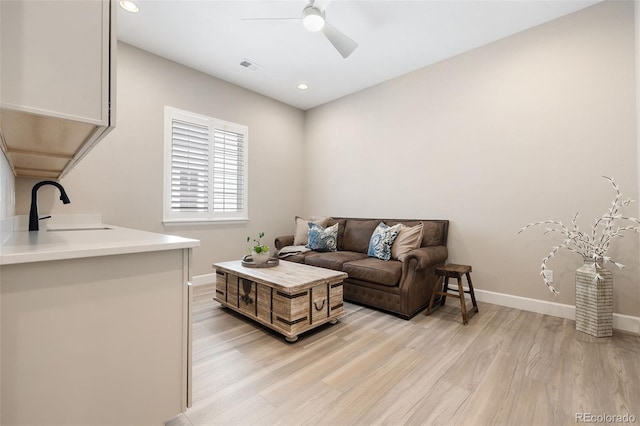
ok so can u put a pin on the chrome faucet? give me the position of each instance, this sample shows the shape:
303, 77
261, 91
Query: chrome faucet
33, 213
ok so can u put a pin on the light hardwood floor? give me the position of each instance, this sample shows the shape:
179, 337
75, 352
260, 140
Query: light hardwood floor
507, 367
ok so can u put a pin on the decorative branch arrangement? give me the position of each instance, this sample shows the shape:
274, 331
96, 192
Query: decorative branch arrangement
595, 244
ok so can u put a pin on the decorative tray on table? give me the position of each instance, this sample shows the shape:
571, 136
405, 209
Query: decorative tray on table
249, 263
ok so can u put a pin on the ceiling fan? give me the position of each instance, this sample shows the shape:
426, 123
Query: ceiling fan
313, 19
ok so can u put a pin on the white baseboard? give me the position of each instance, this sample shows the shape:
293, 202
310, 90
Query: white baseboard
203, 279
620, 322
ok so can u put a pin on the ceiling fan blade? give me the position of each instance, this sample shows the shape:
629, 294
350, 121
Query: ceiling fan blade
270, 19
340, 41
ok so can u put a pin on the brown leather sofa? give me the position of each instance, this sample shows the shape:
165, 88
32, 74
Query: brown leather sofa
401, 287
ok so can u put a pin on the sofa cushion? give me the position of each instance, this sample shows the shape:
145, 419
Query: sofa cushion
409, 238
374, 270
357, 234
333, 260
301, 234
323, 239
381, 240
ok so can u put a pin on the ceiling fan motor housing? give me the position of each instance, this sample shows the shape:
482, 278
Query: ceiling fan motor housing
312, 18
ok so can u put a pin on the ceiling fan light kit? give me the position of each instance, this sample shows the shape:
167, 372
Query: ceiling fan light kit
129, 6
312, 19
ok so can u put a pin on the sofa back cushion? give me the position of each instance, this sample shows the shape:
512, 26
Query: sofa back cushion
357, 234
354, 234
434, 233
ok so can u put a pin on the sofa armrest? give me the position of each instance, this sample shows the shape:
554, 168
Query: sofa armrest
427, 256
284, 241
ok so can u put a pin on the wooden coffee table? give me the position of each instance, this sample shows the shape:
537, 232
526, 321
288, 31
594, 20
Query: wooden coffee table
290, 298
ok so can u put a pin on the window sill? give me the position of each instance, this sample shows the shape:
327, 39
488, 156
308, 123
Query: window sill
180, 222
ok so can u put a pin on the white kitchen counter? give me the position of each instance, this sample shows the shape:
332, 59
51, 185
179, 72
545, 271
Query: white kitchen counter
70, 241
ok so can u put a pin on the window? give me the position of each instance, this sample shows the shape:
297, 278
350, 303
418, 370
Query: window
205, 168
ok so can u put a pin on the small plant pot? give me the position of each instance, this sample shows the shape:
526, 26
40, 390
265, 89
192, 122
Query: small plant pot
261, 257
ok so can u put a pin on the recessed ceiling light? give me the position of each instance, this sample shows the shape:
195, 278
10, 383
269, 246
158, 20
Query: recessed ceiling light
303, 86
129, 6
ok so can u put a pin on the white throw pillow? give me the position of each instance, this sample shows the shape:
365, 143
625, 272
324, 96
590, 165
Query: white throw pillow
301, 234
409, 238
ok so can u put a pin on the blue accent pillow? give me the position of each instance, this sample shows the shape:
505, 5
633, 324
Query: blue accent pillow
321, 239
382, 240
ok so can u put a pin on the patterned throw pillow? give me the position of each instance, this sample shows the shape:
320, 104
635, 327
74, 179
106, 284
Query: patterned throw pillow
381, 241
321, 239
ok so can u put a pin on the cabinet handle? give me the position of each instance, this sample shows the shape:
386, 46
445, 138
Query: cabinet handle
321, 306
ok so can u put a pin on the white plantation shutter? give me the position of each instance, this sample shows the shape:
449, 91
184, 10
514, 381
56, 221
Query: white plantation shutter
189, 167
205, 168
228, 171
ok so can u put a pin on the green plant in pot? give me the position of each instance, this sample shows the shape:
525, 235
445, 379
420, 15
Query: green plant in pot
259, 251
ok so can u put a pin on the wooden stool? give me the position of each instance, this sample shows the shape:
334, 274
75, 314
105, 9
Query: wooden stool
454, 271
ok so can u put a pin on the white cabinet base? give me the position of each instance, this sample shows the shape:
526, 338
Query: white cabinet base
100, 341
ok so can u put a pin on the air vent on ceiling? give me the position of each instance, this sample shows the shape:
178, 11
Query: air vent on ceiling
249, 64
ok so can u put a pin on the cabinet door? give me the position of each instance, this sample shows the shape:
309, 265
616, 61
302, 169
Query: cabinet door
55, 58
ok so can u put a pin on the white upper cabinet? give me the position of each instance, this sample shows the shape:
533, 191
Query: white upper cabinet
57, 81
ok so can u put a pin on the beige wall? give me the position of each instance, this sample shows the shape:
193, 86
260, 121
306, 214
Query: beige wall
517, 131
122, 177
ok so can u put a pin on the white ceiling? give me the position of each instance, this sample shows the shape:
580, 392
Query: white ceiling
395, 37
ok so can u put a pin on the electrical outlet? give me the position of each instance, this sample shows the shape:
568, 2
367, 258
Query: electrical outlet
548, 274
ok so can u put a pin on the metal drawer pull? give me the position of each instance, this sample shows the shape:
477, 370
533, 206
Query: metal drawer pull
321, 306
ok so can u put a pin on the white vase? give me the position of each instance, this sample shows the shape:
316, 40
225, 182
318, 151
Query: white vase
261, 257
594, 299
